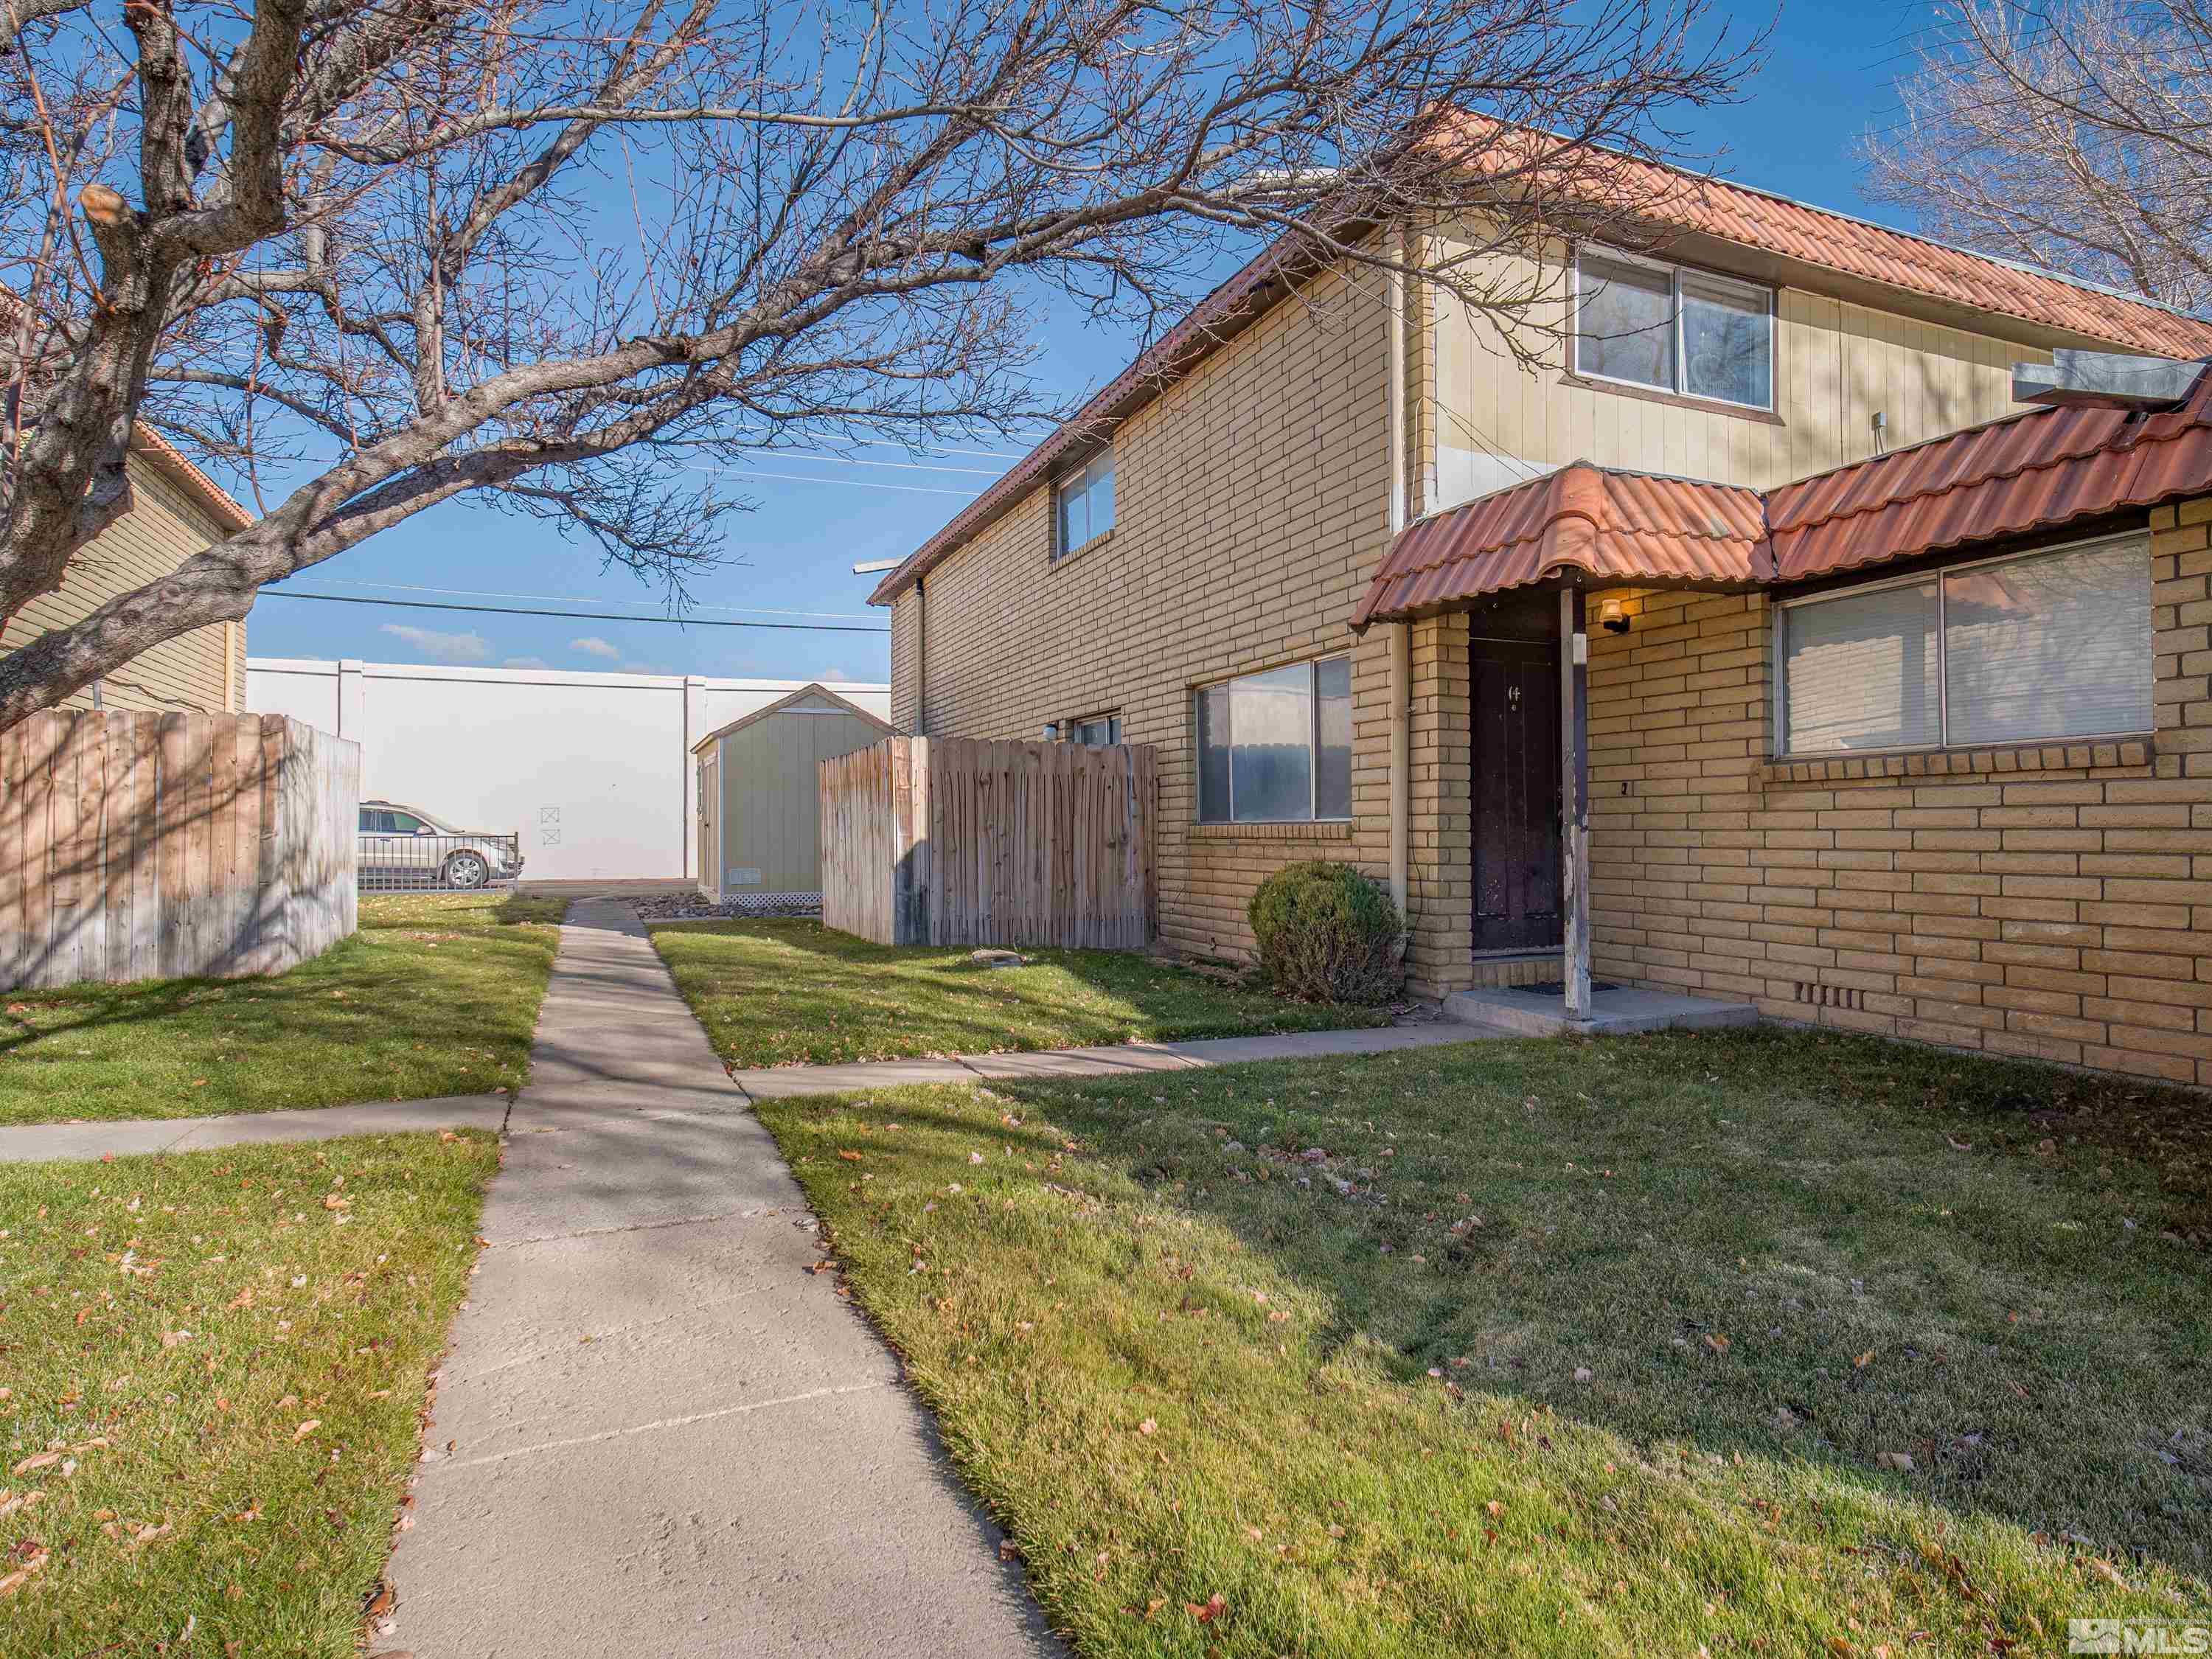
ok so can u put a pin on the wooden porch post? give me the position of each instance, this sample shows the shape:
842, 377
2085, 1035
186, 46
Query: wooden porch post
1574, 796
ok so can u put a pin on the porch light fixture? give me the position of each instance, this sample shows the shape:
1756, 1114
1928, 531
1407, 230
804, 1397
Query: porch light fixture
1611, 617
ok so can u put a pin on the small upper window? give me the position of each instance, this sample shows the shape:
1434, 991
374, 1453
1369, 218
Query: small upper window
1092, 731
1083, 505
1679, 331
2041, 645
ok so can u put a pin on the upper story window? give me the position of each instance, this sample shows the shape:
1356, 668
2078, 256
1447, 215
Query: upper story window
1685, 332
1083, 505
1276, 748
2013, 650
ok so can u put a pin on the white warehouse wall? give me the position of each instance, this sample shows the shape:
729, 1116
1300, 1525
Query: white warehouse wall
594, 771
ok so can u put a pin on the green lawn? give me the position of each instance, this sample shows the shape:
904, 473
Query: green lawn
212, 1370
1751, 1343
437, 994
796, 993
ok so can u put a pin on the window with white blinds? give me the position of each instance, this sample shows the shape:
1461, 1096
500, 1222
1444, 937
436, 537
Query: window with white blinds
2043, 645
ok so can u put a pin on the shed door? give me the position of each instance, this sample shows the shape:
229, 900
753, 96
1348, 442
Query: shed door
1517, 895
710, 832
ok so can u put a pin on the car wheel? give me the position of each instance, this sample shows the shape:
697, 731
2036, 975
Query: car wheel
466, 870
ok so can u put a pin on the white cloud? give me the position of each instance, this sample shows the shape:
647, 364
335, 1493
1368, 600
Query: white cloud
524, 662
831, 676
592, 646
443, 647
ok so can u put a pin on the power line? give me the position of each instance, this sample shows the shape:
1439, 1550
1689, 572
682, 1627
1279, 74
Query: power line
842, 483
573, 616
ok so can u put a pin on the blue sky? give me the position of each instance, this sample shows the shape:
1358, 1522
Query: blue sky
1829, 80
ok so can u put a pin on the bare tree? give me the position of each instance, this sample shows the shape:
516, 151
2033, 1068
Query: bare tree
2074, 135
371, 255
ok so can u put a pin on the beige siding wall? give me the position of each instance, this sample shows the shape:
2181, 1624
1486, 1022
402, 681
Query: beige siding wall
1250, 509
2054, 901
203, 670
1836, 364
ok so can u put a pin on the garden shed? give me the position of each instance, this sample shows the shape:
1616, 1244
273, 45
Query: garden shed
759, 805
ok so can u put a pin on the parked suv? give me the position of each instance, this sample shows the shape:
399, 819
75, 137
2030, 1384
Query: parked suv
403, 846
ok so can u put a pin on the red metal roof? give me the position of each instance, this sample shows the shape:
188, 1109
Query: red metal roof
1612, 526
2039, 470
2034, 471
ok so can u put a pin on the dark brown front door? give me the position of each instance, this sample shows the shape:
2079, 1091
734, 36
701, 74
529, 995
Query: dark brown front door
1516, 795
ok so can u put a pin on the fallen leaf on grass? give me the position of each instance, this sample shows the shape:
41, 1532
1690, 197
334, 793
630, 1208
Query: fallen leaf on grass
1213, 1607
1902, 1460
307, 1428
1148, 1426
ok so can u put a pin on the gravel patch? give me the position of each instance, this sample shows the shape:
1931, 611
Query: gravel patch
692, 908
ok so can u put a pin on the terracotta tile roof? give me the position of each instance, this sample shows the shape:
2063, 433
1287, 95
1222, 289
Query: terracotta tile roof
2034, 471
174, 462
2039, 470
1670, 199
1675, 199
1610, 526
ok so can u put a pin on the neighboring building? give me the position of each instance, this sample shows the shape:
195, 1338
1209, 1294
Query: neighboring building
176, 511
1321, 567
759, 830
595, 771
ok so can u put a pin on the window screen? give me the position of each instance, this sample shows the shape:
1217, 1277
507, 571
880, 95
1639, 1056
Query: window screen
1860, 671
2056, 646
1727, 342
1625, 323
1676, 330
2047, 644
1277, 747
1085, 504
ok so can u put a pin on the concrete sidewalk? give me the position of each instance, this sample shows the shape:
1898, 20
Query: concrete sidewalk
602, 1079
657, 1432
781, 1082
37, 1143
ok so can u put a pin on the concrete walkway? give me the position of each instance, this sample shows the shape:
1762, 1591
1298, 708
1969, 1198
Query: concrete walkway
38, 1142
657, 1432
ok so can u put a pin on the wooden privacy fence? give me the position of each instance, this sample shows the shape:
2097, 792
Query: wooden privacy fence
955, 840
141, 846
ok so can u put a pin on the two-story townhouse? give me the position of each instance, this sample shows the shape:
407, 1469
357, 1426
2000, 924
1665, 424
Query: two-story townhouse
176, 510
1875, 713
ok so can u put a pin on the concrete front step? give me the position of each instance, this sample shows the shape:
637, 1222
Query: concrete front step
1618, 1011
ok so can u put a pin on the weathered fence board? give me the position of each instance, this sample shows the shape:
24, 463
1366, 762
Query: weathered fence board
140, 845
958, 841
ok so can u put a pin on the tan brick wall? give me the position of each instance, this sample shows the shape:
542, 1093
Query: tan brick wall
165, 526
1250, 510
2053, 901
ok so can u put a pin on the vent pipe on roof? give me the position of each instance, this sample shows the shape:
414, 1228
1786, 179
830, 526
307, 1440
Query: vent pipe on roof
2104, 379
